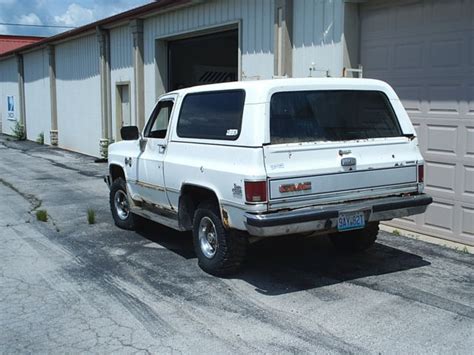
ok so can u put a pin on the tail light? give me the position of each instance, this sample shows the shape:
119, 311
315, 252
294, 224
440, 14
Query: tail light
256, 191
421, 173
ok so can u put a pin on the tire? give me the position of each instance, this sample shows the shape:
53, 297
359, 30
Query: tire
219, 251
356, 241
123, 218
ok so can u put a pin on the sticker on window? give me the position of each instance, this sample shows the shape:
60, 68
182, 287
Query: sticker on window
232, 132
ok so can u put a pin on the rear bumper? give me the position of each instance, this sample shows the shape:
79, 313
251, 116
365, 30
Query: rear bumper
324, 218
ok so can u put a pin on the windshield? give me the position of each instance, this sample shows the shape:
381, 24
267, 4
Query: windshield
336, 115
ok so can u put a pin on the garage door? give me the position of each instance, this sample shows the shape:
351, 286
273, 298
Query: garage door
425, 50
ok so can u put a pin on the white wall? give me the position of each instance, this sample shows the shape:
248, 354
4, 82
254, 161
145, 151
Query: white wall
121, 68
317, 37
8, 86
256, 17
37, 94
78, 95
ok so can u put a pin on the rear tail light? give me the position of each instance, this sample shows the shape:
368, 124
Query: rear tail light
421, 173
256, 191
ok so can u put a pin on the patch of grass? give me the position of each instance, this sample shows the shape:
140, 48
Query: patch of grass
19, 131
42, 215
90, 216
396, 232
40, 139
465, 250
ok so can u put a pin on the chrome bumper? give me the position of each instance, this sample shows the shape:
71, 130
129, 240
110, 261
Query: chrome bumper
324, 218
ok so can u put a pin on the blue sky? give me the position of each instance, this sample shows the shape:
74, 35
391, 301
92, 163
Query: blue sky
57, 12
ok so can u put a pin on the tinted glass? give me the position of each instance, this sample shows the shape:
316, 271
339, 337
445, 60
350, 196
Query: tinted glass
160, 118
212, 115
306, 116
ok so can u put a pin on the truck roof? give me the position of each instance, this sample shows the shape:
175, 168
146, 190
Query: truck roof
259, 91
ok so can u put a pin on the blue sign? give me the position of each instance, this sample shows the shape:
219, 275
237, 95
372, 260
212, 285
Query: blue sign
11, 107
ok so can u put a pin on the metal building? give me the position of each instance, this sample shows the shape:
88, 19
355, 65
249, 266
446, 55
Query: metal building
80, 87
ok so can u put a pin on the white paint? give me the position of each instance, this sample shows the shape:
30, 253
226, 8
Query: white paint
317, 37
37, 94
78, 95
8, 87
172, 162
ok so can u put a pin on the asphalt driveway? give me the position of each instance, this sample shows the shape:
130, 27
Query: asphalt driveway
67, 286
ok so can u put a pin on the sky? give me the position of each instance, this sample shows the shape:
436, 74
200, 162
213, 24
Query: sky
57, 12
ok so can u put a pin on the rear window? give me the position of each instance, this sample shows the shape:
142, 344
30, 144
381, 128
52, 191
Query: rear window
212, 115
339, 115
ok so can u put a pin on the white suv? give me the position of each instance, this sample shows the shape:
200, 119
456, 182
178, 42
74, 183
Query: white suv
240, 161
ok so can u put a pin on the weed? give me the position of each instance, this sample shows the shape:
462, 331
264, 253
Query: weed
40, 139
465, 250
396, 232
19, 131
42, 215
91, 216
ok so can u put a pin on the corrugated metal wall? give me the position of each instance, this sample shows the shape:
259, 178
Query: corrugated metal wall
317, 37
256, 18
121, 68
9, 86
78, 95
37, 94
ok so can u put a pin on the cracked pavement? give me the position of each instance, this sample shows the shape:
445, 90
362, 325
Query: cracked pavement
68, 287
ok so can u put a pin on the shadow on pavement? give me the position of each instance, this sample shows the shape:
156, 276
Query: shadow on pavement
289, 264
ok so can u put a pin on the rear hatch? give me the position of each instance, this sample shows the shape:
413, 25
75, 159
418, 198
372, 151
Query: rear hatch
334, 146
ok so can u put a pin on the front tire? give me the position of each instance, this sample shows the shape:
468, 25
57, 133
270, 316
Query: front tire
357, 240
219, 251
120, 207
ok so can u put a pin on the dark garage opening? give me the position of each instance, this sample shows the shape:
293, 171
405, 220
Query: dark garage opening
203, 60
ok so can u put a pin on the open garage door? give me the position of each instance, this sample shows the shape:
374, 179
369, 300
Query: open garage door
202, 60
424, 49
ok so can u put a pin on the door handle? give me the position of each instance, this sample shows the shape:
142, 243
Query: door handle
161, 148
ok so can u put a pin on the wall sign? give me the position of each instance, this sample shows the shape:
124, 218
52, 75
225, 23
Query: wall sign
11, 108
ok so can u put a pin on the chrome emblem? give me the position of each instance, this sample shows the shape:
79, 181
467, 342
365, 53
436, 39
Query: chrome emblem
348, 161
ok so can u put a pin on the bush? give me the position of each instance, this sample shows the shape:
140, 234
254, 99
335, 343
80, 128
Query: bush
19, 131
42, 215
91, 216
40, 139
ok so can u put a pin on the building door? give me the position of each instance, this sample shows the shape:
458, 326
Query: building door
206, 59
425, 50
123, 107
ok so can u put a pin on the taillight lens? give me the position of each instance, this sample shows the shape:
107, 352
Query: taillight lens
256, 191
421, 173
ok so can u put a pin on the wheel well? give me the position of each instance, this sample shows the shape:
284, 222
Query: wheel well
116, 172
191, 197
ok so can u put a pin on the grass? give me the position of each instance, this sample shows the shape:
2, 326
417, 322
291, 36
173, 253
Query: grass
396, 232
91, 216
40, 139
42, 215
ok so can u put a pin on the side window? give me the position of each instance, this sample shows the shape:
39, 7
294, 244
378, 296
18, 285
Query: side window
212, 115
158, 124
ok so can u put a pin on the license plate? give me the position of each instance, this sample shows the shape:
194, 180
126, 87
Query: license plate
351, 220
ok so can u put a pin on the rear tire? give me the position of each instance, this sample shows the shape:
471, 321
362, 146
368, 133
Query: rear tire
219, 251
120, 208
356, 241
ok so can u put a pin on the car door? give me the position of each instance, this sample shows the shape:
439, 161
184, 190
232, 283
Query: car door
150, 179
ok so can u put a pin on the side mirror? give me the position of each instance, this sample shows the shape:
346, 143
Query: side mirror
129, 133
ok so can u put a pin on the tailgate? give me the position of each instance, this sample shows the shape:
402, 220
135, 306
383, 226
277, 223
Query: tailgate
317, 172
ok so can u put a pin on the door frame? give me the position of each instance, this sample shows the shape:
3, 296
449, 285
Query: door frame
118, 107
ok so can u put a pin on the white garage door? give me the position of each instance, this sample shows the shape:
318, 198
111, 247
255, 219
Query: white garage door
425, 50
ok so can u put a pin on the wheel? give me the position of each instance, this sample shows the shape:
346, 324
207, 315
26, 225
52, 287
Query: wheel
357, 240
219, 251
120, 207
